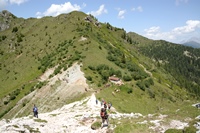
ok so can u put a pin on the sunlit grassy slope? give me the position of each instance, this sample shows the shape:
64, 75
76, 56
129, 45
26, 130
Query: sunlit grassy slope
34, 45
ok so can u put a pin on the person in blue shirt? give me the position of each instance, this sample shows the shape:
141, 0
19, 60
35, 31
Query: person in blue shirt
35, 111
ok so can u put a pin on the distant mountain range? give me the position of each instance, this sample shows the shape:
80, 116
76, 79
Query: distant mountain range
36, 57
193, 44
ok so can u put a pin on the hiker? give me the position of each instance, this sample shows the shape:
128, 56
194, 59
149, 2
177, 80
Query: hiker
35, 111
102, 102
109, 105
105, 105
96, 101
104, 116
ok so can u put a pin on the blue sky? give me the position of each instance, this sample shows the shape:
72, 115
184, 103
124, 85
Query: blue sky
171, 20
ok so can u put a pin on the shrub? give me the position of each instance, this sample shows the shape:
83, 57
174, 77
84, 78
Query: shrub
12, 97
1, 52
151, 93
57, 70
141, 85
111, 58
105, 75
130, 90
24, 104
148, 82
118, 73
122, 65
6, 102
126, 89
19, 39
89, 78
40, 84
15, 29
14, 94
76, 57
102, 67
3, 37
91, 67
99, 85
32, 89
65, 67
127, 78
138, 75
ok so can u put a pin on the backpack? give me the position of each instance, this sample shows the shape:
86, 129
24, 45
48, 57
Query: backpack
102, 114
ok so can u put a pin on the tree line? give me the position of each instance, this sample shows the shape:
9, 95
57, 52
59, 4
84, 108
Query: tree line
182, 62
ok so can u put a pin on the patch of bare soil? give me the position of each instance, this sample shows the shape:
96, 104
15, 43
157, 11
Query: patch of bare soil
83, 39
63, 86
56, 93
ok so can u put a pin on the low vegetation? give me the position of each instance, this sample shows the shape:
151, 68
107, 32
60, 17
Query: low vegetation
169, 78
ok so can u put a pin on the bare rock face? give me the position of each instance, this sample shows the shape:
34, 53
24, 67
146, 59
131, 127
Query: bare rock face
5, 19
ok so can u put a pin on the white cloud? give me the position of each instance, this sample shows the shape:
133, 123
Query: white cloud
175, 35
139, 9
100, 11
152, 30
39, 14
178, 2
4, 3
190, 26
121, 14
18, 2
155, 33
55, 10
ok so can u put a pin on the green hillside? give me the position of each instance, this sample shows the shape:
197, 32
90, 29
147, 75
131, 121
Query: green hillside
158, 76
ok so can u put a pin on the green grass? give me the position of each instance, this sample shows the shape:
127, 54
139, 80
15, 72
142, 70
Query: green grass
139, 102
130, 126
42, 38
96, 125
136, 102
40, 120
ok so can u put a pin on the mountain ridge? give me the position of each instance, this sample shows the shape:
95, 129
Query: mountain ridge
193, 44
30, 47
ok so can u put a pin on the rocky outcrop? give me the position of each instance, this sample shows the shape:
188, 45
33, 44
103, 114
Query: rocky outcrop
5, 19
93, 20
